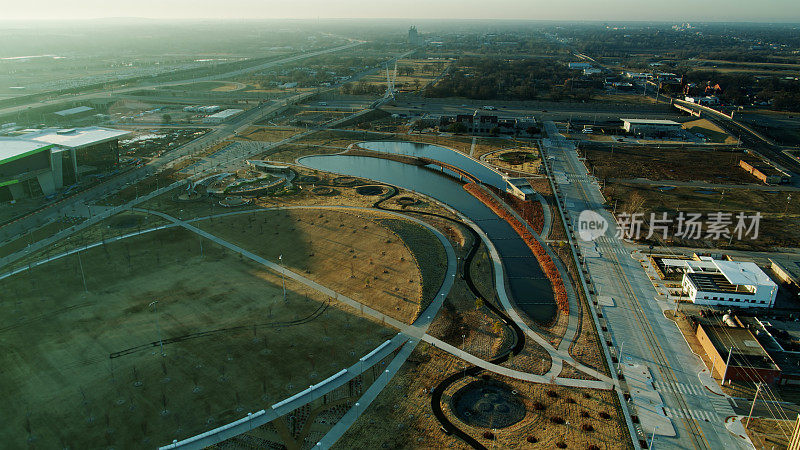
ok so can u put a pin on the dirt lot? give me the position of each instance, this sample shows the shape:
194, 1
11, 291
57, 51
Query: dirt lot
220, 316
268, 134
697, 164
710, 131
768, 433
775, 227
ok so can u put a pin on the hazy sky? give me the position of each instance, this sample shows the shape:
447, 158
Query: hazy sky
607, 10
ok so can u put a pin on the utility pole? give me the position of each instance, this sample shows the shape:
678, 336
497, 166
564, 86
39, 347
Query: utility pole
758, 389
727, 363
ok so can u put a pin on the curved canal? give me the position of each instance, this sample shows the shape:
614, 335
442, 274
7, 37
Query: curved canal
527, 285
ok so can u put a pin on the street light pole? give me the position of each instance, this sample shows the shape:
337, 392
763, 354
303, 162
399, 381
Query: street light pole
154, 304
83, 276
283, 276
464, 347
653, 437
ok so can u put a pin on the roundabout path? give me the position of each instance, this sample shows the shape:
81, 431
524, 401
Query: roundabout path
409, 336
415, 330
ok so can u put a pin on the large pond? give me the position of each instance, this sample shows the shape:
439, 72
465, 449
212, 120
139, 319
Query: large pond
530, 290
439, 153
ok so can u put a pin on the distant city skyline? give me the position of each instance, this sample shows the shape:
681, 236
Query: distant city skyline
608, 10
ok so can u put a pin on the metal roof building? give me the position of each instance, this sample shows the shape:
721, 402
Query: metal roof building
41, 162
75, 137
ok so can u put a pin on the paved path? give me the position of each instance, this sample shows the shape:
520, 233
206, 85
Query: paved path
555, 354
410, 333
508, 372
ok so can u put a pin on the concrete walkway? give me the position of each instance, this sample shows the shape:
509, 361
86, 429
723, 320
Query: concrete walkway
508, 372
557, 356
573, 319
414, 331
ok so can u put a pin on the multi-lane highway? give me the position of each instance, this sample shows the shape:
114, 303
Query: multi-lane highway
237, 124
138, 87
680, 399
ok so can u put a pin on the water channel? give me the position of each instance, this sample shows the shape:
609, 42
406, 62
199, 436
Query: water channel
527, 285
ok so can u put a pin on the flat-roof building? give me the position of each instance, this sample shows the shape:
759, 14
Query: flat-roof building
736, 354
727, 283
650, 126
580, 65
222, 116
42, 161
65, 116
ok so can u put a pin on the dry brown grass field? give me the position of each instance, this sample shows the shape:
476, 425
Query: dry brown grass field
401, 415
268, 134
769, 433
57, 340
347, 252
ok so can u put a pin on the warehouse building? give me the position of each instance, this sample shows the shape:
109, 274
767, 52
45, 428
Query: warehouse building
735, 353
650, 126
43, 161
222, 116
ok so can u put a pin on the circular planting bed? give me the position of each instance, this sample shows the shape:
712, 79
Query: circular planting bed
229, 202
345, 181
370, 190
324, 190
488, 404
407, 201
308, 179
515, 158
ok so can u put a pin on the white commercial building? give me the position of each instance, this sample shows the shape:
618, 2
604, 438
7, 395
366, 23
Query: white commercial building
41, 162
726, 283
650, 126
222, 116
580, 65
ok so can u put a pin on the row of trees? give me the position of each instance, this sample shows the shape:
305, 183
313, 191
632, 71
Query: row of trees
489, 77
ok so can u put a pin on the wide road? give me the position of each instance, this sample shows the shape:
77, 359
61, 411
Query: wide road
138, 87
636, 319
589, 111
240, 122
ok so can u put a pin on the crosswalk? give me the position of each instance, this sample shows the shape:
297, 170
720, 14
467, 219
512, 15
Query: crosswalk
721, 405
580, 178
608, 248
686, 389
696, 414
